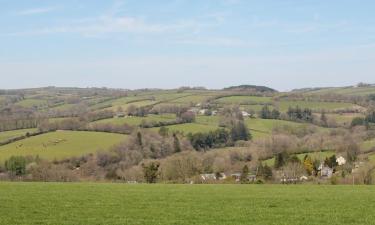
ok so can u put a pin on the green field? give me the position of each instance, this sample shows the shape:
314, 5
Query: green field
61, 144
190, 128
119, 204
367, 145
329, 106
135, 121
32, 102
244, 100
349, 91
6, 135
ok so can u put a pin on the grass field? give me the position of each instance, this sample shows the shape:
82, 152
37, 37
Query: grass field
32, 102
350, 91
135, 121
367, 145
61, 144
244, 100
190, 128
6, 135
329, 106
119, 204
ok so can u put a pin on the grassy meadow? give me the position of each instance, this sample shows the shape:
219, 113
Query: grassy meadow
6, 135
115, 204
61, 144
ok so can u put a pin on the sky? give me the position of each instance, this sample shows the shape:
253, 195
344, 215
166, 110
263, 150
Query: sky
284, 44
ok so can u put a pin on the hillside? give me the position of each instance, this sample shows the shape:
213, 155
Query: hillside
110, 134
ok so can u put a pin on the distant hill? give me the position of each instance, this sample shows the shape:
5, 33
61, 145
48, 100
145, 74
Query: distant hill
250, 88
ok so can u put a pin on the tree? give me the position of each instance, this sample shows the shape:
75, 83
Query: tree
308, 164
163, 131
265, 112
323, 119
358, 121
139, 138
275, 114
244, 175
151, 172
16, 165
281, 159
239, 132
176, 143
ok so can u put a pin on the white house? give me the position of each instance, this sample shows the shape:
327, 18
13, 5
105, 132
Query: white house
245, 114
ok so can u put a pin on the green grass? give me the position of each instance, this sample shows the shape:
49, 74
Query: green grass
61, 144
268, 125
329, 106
349, 91
32, 102
190, 128
244, 100
6, 135
119, 204
344, 119
367, 145
135, 121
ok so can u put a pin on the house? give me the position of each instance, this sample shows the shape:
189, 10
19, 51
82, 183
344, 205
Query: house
194, 110
214, 113
245, 114
202, 111
341, 161
326, 172
213, 176
120, 115
237, 177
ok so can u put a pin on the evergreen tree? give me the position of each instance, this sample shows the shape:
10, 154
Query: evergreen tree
176, 143
244, 175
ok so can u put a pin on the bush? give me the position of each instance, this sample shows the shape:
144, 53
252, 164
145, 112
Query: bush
16, 165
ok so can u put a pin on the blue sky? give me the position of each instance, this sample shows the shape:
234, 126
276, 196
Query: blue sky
170, 43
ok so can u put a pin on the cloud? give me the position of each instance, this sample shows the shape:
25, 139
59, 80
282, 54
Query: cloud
35, 11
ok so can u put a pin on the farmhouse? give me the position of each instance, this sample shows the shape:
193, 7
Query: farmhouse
213, 176
326, 172
237, 177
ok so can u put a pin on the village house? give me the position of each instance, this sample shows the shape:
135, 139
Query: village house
213, 176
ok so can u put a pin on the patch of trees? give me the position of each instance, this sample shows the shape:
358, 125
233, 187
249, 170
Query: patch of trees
266, 113
360, 121
213, 139
253, 88
298, 114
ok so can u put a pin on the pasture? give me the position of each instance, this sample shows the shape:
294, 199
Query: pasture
135, 121
115, 204
313, 105
61, 144
6, 135
244, 100
189, 128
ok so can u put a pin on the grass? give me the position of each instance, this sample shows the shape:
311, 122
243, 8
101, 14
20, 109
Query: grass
343, 119
32, 102
244, 100
118, 204
61, 144
367, 145
190, 128
329, 106
6, 135
135, 121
